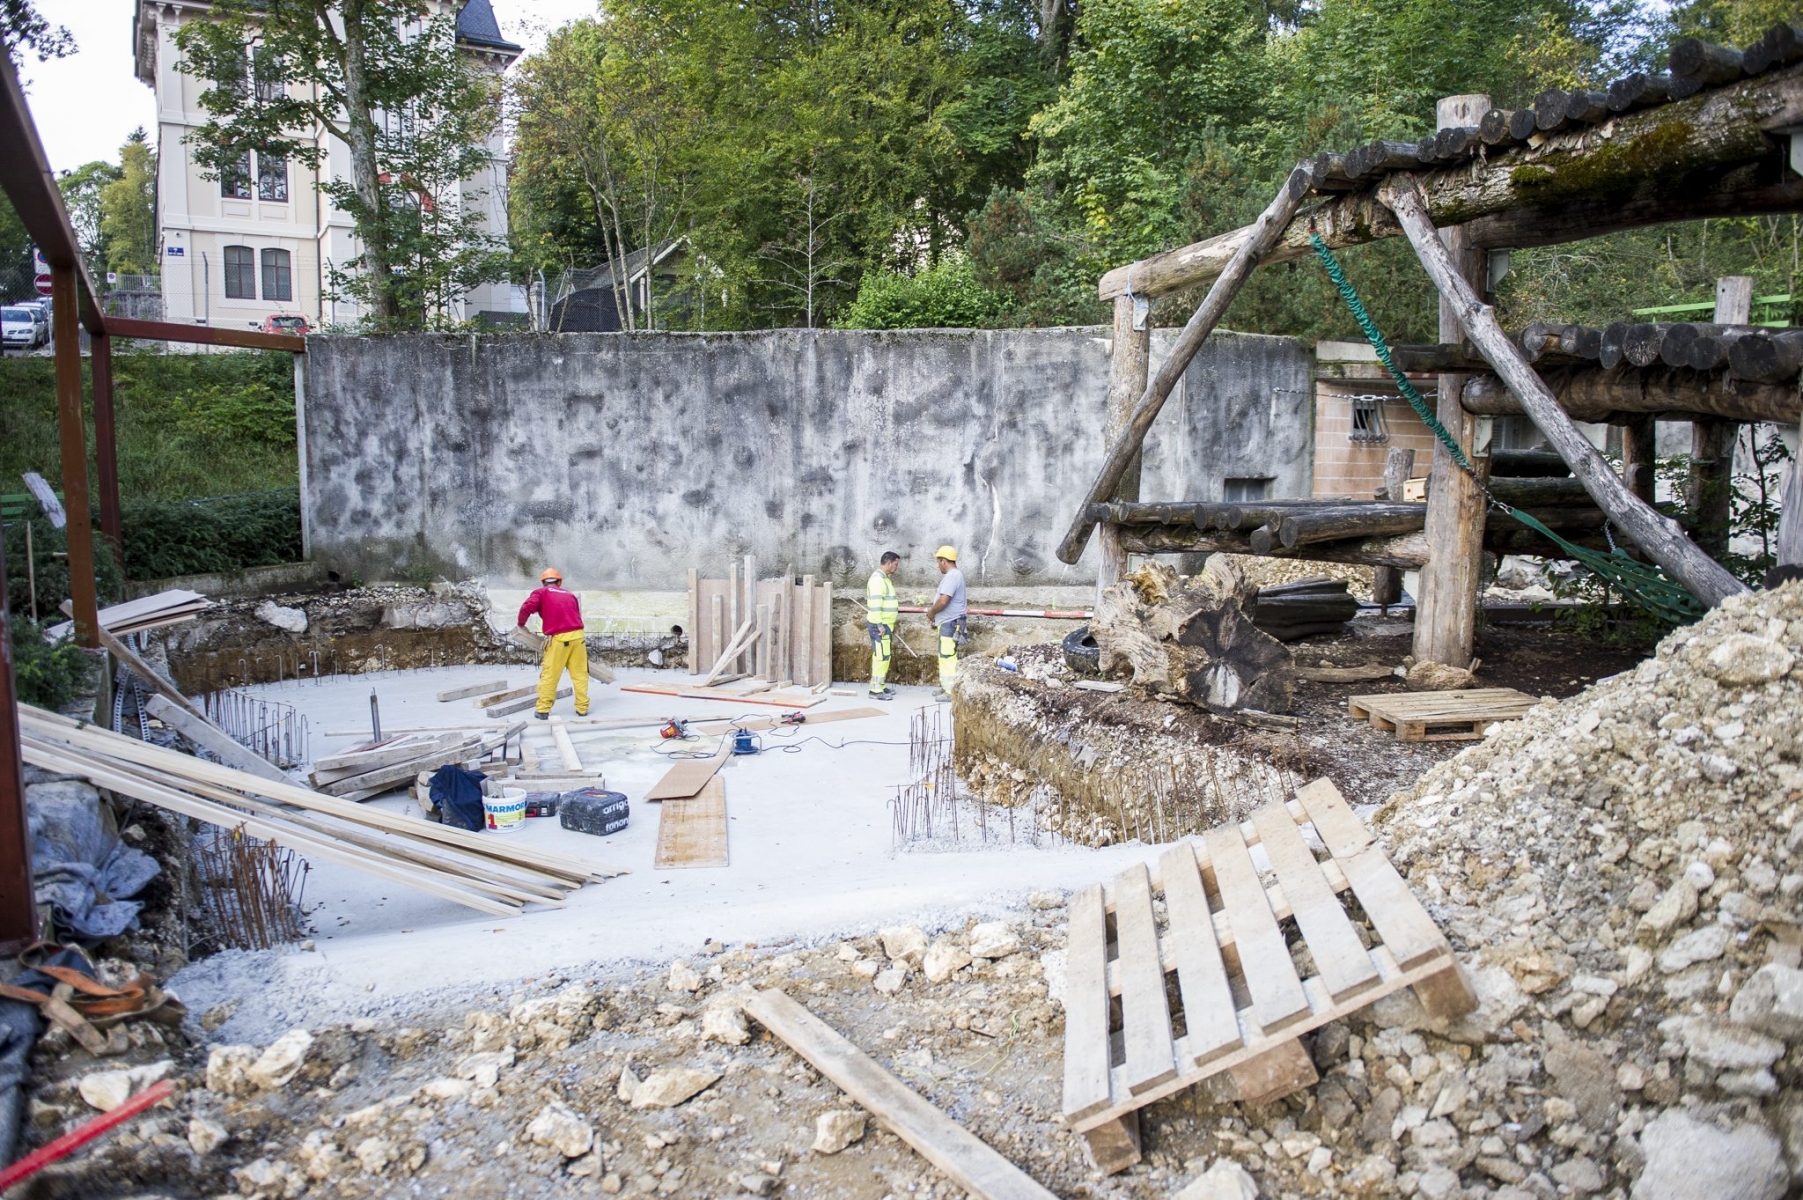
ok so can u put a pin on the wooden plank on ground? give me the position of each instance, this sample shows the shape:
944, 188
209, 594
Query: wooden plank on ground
210, 737
970, 1163
400, 749
1086, 1005
508, 693
1340, 957
566, 749
1408, 932
1341, 831
1277, 995
692, 832
823, 636
688, 777
773, 699
150, 675
1145, 1013
759, 724
1209, 1013
522, 704
474, 689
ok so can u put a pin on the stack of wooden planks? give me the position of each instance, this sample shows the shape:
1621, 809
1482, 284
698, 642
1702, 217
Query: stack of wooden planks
482, 871
374, 768
779, 630
146, 612
1333, 904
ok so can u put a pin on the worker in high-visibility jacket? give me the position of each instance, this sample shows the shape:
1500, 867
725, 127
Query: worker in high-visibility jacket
879, 622
560, 620
949, 614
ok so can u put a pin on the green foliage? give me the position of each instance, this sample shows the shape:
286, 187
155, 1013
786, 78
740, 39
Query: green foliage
128, 207
945, 296
48, 674
188, 424
386, 78
81, 189
48, 567
164, 538
22, 28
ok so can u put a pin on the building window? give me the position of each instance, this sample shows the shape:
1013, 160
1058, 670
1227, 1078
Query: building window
1240, 491
234, 179
268, 72
278, 280
1367, 420
237, 82
272, 177
240, 273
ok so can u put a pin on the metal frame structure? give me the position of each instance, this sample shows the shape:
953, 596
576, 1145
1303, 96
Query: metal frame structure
27, 181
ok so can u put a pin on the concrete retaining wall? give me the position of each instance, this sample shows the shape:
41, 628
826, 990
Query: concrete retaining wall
624, 459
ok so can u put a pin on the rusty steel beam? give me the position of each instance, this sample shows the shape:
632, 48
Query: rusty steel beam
26, 178
204, 335
71, 425
106, 446
18, 904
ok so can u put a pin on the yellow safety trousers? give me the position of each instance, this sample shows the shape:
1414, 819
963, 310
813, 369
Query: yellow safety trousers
948, 658
881, 648
565, 651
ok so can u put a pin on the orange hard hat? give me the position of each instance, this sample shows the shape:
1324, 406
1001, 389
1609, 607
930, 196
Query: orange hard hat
549, 574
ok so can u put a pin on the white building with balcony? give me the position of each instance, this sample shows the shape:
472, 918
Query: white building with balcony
262, 242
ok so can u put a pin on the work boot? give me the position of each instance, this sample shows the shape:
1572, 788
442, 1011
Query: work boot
542, 716
885, 694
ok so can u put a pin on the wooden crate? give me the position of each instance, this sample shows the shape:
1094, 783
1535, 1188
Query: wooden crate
1456, 716
1232, 939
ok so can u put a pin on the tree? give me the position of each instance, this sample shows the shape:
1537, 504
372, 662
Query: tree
128, 209
23, 28
803, 268
943, 296
386, 78
81, 189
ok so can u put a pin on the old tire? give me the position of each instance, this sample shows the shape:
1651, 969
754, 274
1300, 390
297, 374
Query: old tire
1081, 654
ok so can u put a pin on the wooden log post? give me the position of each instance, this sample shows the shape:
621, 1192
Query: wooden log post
1639, 451
1399, 463
1659, 537
1446, 610
1709, 490
1129, 363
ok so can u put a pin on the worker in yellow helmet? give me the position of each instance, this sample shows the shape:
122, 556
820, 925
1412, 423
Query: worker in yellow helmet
560, 618
949, 613
879, 623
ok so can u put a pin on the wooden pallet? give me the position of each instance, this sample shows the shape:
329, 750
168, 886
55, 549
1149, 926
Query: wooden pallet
1231, 937
1457, 716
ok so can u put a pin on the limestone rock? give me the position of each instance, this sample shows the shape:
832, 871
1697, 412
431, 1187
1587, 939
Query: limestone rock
1771, 1002
1678, 905
281, 1061
107, 1090
1222, 1181
206, 1135
319, 1156
290, 620
672, 1086
1699, 945
374, 1154
904, 943
485, 1068
943, 959
890, 980
683, 977
1586, 1077
628, 1085
1437, 677
1742, 658
227, 1068
263, 1179
1045, 901
1687, 1159
993, 939
837, 1129
1722, 1046
558, 1127
725, 1023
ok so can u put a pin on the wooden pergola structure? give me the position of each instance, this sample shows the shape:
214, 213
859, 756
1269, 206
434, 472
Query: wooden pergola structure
1720, 134
27, 180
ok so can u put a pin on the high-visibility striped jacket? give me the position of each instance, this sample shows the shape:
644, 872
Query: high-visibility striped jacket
879, 600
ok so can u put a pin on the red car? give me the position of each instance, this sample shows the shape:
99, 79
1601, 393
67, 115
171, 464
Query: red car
286, 324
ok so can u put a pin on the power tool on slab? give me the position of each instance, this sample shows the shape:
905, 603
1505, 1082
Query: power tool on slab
674, 728
746, 742
793, 718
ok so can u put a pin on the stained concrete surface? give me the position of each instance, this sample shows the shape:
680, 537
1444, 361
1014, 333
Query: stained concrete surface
627, 458
810, 840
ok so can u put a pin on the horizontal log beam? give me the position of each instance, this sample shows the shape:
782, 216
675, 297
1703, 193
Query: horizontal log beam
1673, 162
1407, 552
1597, 395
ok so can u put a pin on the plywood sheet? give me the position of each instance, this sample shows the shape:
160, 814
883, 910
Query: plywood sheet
688, 777
692, 832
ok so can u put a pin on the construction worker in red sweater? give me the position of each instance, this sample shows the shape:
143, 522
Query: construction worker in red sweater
560, 620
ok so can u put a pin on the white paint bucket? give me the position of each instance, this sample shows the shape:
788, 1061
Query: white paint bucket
506, 812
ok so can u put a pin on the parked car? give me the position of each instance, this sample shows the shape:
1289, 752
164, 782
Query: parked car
40, 311
283, 323
18, 328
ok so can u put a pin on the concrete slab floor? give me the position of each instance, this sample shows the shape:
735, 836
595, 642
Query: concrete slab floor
810, 839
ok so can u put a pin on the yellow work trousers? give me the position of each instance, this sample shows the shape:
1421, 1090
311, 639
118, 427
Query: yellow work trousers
880, 650
948, 655
565, 651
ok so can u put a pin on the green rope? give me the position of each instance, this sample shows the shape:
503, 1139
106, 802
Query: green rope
1349, 294
1643, 583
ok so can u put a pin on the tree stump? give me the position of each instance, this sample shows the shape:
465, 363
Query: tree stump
1190, 638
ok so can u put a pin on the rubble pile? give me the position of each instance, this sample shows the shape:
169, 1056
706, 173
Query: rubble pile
1269, 572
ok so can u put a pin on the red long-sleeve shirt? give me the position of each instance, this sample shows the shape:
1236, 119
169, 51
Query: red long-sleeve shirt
558, 611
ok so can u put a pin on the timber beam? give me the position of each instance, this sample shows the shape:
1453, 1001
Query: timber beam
1620, 396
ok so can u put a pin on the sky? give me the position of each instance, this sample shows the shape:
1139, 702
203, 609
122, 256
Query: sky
86, 104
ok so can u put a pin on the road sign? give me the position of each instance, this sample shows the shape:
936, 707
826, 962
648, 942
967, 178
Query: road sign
43, 282
43, 264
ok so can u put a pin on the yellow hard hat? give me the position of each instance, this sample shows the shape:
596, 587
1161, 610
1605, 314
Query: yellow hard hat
948, 553
550, 573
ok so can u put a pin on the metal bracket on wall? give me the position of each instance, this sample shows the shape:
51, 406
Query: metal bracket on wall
1142, 311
